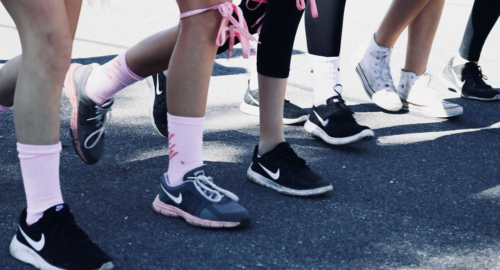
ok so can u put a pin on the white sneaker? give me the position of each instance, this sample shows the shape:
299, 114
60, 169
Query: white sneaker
418, 95
375, 74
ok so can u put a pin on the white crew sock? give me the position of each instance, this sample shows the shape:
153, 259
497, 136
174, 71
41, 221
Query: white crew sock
325, 75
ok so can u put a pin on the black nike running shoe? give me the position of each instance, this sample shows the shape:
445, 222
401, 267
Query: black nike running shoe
56, 242
284, 171
158, 109
88, 120
468, 80
200, 202
334, 123
292, 114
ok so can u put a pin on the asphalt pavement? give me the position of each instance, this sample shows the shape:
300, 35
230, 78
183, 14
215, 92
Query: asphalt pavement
424, 194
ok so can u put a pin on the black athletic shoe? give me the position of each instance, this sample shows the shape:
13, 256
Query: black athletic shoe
158, 109
292, 114
55, 242
88, 120
200, 202
284, 171
335, 123
468, 81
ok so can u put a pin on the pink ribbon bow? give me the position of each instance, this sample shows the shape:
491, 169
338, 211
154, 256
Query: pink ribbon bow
237, 28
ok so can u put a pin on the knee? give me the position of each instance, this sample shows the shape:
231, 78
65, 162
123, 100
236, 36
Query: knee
50, 49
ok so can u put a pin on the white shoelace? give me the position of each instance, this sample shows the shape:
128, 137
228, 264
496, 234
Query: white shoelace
103, 114
205, 185
426, 88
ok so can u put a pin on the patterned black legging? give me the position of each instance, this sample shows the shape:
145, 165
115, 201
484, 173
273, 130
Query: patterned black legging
484, 15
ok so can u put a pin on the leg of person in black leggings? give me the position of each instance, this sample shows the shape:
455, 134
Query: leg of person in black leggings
463, 72
274, 163
330, 119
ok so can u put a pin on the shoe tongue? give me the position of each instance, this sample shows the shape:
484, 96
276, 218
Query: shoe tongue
202, 170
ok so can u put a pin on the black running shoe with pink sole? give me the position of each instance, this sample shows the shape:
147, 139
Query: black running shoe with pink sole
200, 202
158, 108
88, 120
283, 171
55, 242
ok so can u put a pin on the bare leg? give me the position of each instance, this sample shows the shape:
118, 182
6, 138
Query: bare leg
10, 71
400, 15
189, 74
152, 55
422, 31
271, 95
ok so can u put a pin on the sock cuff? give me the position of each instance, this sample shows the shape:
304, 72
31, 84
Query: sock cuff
27, 150
123, 59
323, 59
192, 121
4, 108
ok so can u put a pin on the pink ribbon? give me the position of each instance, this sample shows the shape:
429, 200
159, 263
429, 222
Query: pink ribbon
301, 5
237, 28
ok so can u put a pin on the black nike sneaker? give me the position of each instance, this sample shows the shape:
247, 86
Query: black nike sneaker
284, 171
56, 242
88, 120
200, 202
334, 123
158, 109
292, 114
468, 80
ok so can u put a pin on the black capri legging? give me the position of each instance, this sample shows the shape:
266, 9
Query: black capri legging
324, 34
483, 17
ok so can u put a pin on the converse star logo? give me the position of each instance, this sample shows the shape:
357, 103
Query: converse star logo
36, 245
177, 200
274, 176
323, 122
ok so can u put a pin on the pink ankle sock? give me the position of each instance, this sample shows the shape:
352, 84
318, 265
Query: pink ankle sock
4, 109
110, 78
185, 143
40, 170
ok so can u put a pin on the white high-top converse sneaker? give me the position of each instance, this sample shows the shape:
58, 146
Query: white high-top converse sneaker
418, 95
375, 74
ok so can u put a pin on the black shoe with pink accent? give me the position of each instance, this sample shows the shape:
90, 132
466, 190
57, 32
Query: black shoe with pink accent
88, 120
200, 202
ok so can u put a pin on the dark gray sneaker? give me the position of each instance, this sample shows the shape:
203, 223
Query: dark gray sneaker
200, 202
292, 114
88, 120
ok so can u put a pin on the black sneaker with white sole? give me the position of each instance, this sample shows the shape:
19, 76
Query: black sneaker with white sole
200, 202
468, 80
56, 242
158, 108
89, 120
334, 123
292, 114
283, 171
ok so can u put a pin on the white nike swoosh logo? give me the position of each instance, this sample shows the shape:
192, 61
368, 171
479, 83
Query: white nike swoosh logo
274, 176
177, 200
323, 122
158, 92
36, 245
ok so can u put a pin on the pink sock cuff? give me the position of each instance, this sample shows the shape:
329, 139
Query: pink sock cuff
4, 109
195, 121
26, 150
135, 77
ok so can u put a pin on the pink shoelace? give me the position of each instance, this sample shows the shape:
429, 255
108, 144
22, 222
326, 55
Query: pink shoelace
301, 5
237, 28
